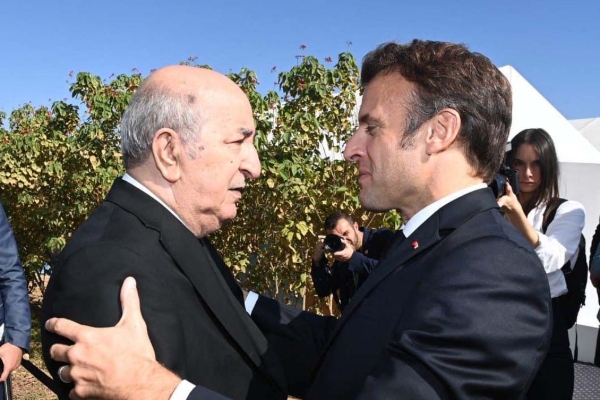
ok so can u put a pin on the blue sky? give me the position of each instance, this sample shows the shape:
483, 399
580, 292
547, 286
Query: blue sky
554, 44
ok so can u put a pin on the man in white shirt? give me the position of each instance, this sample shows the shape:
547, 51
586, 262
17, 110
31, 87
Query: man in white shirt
459, 307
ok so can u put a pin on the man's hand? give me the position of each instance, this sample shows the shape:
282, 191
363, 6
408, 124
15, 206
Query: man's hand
11, 358
319, 249
113, 363
345, 254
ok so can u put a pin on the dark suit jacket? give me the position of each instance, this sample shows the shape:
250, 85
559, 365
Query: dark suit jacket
459, 310
189, 299
346, 277
14, 300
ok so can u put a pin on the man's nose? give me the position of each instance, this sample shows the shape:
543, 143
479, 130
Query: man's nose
251, 165
351, 152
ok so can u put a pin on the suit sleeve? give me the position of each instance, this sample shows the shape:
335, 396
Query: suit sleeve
361, 263
376, 246
86, 287
323, 283
595, 240
201, 393
297, 337
595, 263
13, 289
480, 319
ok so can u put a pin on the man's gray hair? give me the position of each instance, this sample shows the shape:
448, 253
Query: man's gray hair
151, 108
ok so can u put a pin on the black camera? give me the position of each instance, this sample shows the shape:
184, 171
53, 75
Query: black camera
333, 243
506, 174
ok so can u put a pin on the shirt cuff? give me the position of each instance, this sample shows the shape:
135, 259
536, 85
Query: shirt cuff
250, 302
182, 391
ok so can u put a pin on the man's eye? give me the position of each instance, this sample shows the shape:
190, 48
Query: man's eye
370, 129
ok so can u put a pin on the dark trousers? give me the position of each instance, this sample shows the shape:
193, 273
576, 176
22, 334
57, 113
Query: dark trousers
555, 379
597, 355
6, 392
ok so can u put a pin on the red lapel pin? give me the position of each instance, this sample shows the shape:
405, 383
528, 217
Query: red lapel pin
415, 245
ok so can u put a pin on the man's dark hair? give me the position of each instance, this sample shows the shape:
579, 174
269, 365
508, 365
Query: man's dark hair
332, 220
448, 75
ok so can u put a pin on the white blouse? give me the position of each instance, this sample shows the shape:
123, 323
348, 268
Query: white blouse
560, 242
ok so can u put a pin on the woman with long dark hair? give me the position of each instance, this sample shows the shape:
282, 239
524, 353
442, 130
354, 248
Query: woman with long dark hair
556, 242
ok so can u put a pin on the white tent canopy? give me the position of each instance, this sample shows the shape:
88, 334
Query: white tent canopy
532, 110
589, 128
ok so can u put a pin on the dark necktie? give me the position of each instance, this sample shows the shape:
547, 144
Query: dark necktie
396, 242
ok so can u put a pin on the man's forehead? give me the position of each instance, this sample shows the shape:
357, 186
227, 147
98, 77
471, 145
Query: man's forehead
385, 90
343, 224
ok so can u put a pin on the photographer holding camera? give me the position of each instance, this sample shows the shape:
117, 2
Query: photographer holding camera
356, 252
553, 228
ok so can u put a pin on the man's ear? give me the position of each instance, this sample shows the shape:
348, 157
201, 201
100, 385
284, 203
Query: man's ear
167, 148
443, 131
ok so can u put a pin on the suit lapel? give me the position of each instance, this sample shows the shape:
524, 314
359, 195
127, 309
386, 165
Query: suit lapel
401, 251
195, 259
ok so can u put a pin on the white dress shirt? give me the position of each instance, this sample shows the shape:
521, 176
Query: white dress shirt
129, 179
560, 243
417, 220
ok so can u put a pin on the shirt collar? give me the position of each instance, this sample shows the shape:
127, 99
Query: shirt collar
422, 216
131, 180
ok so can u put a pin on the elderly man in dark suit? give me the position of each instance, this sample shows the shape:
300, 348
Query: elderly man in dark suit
188, 149
460, 306
15, 316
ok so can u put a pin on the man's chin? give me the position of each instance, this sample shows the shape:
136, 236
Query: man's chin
228, 217
368, 203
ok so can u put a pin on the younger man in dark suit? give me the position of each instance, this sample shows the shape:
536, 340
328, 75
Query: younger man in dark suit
460, 306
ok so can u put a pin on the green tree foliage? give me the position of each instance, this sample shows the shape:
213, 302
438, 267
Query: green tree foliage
299, 133
60, 162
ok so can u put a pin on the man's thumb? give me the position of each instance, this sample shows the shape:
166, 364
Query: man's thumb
130, 301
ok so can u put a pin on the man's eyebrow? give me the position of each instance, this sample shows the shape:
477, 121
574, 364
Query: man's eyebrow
246, 132
365, 118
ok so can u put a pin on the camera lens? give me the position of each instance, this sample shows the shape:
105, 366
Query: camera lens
333, 243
